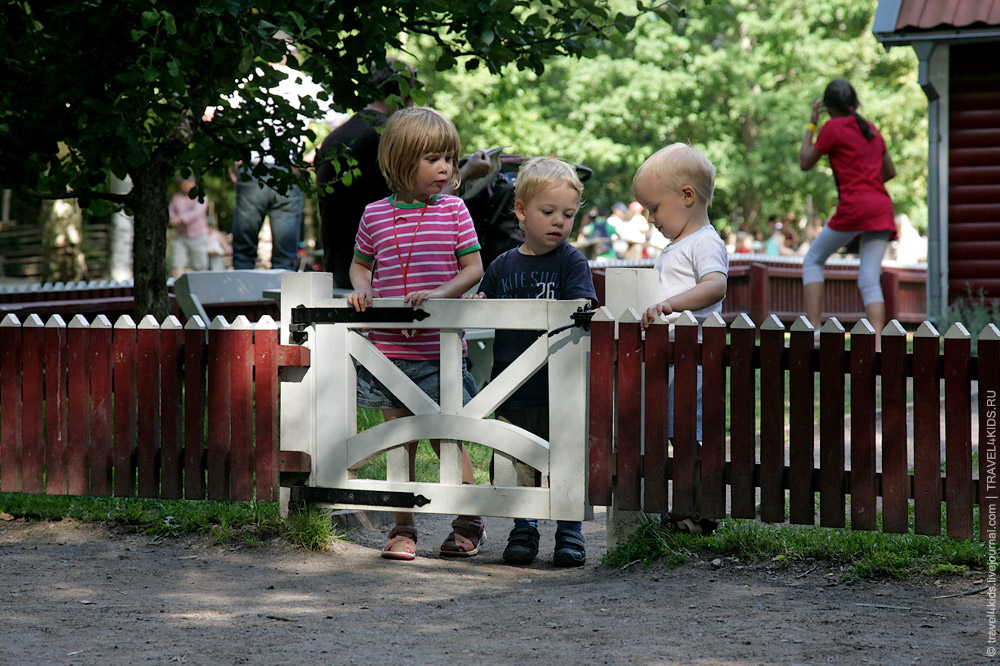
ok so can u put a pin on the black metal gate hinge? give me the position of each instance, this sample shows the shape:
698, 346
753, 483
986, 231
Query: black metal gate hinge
399, 500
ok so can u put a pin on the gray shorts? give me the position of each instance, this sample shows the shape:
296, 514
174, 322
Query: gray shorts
425, 374
191, 252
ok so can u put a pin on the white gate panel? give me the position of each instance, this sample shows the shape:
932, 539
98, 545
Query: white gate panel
319, 404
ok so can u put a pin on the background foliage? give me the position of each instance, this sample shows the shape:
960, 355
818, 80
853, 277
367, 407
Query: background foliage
107, 88
735, 79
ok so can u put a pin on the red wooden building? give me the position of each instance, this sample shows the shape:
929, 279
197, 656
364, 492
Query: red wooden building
958, 44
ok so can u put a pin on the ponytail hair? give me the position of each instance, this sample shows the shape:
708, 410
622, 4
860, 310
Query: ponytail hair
840, 97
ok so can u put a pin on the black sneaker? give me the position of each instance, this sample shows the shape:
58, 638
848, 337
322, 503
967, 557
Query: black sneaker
569, 550
522, 545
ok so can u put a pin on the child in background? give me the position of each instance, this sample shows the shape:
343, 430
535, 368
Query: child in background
676, 185
417, 244
218, 247
189, 219
546, 198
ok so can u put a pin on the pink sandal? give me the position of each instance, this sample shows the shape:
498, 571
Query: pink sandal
470, 528
402, 544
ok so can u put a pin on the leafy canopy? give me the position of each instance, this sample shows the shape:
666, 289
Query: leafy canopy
120, 87
111, 86
734, 78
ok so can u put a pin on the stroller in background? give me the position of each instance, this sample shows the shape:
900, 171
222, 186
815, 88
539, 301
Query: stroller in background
490, 201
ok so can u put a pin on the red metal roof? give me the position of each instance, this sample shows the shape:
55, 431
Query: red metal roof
929, 14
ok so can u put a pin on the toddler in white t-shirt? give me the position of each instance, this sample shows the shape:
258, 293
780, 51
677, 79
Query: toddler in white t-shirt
676, 185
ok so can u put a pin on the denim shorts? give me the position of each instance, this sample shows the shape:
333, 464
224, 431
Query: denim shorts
425, 374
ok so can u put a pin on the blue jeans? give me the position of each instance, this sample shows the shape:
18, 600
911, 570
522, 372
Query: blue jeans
254, 200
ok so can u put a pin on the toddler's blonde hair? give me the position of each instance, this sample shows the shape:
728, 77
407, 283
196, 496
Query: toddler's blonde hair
410, 134
680, 164
538, 174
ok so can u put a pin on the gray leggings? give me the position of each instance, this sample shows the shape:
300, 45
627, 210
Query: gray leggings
872, 249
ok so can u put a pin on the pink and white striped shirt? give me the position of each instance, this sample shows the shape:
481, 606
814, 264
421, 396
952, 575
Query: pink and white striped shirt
414, 246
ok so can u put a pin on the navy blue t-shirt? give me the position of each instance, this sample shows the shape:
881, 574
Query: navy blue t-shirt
562, 274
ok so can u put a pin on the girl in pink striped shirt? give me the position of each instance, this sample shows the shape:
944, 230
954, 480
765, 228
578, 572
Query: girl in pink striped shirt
417, 244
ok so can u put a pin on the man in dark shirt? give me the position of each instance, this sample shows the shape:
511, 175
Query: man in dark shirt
340, 210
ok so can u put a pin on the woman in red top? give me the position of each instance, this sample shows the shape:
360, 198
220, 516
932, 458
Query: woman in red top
861, 165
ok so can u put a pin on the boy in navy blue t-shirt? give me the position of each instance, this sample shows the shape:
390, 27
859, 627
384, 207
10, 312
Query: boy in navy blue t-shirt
547, 197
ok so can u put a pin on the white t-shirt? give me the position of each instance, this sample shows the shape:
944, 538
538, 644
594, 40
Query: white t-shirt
684, 263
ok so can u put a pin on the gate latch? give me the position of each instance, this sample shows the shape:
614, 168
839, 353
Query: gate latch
581, 318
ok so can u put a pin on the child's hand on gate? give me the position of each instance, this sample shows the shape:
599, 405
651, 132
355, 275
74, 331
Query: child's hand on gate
480, 295
415, 298
653, 313
361, 298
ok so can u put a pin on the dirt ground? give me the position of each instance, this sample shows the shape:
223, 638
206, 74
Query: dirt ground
75, 593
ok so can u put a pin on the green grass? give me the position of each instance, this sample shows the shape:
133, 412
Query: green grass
249, 523
864, 555
223, 522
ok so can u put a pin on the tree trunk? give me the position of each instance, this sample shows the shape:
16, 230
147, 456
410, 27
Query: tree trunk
148, 200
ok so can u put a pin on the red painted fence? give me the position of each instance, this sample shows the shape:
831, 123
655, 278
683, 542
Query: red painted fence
149, 410
180, 412
778, 460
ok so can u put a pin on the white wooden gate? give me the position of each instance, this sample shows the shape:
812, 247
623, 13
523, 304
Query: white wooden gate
319, 407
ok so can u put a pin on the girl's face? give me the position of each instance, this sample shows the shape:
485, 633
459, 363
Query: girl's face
547, 219
432, 176
671, 209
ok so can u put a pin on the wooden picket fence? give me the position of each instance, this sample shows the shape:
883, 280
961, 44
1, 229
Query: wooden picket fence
171, 411
631, 458
150, 410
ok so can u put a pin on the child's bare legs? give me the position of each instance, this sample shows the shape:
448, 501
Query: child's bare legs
467, 531
875, 314
402, 543
814, 303
467, 475
403, 537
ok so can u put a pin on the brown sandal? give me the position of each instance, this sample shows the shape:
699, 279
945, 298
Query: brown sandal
470, 528
402, 544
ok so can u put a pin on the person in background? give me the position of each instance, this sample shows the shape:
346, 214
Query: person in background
218, 247
417, 244
189, 220
341, 204
619, 222
744, 243
546, 197
776, 244
597, 236
255, 200
861, 165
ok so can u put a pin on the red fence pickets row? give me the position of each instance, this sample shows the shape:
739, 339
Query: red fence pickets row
91, 409
781, 377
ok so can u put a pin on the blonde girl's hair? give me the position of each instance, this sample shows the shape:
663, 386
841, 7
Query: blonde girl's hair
538, 174
409, 134
680, 164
